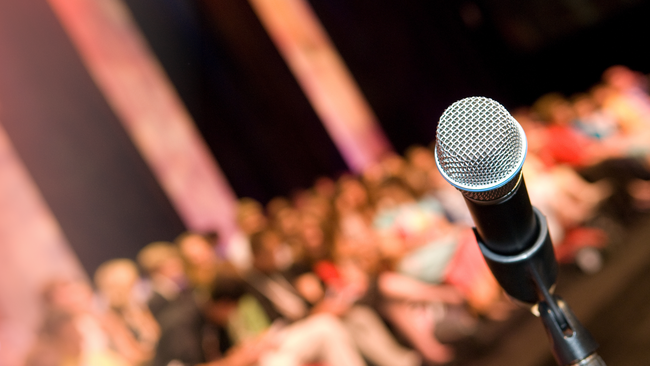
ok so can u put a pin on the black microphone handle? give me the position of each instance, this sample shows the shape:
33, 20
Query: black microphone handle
507, 225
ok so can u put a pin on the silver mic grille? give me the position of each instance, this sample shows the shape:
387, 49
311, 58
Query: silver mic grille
480, 148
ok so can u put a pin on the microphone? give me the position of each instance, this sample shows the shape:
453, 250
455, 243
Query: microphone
480, 149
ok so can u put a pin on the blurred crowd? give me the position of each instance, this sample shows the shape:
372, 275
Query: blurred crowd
380, 269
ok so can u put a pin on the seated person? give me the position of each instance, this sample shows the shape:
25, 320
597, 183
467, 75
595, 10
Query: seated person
302, 301
132, 327
246, 336
174, 306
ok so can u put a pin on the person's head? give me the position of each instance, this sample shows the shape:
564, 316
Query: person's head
325, 187
392, 164
554, 109
115, 280
196, 250
72, 296
264, 245
621, 78
59, 327
584, 106
275, 205
315, 236
162, 258
601, 94
287, 221
420, 157
250, 216
224, 299
351, 195
317, 205
418, 172
393, 192
372, 175
364, 254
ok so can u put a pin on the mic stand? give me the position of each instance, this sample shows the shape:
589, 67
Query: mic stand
529, 277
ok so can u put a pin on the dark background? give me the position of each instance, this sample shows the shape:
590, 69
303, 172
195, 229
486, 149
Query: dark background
411, 59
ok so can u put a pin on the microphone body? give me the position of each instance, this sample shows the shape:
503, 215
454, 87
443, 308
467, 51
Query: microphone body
480, 150
506, 225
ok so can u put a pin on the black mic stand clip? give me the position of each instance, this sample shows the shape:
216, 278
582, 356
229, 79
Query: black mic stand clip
529, 277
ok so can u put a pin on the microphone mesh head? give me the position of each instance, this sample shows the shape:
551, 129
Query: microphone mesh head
480, 148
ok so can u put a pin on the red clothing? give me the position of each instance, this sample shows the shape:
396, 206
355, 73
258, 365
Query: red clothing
469, 273
564, 145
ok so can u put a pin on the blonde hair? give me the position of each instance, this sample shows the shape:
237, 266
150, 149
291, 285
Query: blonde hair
152, 256
109, 268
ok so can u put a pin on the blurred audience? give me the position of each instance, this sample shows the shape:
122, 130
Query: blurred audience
126, 318
174, 305
74, 331
380, 268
